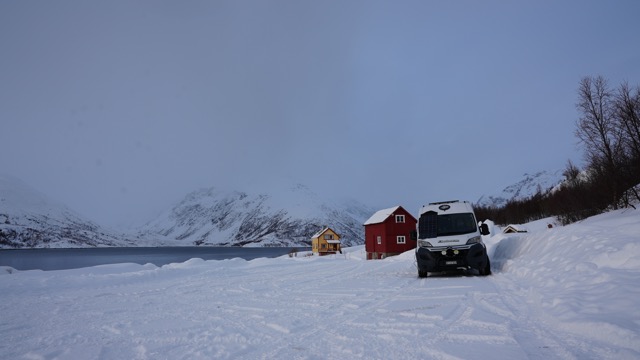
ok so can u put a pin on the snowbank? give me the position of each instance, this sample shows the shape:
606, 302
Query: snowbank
583, 277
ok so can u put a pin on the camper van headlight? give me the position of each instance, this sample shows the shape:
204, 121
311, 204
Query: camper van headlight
474, 240
424, 243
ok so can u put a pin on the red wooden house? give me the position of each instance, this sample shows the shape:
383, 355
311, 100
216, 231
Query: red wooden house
388, 233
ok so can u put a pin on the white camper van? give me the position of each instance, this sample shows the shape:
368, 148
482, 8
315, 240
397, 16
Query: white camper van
449, 239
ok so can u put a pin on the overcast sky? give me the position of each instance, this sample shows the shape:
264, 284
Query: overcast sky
120, 108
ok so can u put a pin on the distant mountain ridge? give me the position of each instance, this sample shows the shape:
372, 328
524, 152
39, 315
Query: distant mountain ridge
29, 219
542, 181
285, 217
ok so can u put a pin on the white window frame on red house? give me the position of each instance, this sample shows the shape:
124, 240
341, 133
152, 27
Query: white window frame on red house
379, 238
401, 239
399, 218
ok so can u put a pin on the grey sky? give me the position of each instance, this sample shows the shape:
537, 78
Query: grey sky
119, 108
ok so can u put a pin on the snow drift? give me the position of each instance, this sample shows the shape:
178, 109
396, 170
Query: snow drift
586, 270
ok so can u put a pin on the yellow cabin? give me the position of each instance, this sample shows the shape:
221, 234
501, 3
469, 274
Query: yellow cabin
325, 241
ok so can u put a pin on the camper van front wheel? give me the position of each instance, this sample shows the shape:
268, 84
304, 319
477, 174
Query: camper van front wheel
487, 269
422, 274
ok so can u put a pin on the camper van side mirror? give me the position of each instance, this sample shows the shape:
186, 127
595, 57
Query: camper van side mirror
484, 229
414, 235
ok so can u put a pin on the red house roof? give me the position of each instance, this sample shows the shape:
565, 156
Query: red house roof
381, 215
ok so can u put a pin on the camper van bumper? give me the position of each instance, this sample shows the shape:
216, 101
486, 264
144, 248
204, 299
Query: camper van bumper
451, 258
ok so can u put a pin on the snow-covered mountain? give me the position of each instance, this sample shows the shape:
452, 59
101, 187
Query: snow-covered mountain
282, 217
542, 181
287, 216
29, 219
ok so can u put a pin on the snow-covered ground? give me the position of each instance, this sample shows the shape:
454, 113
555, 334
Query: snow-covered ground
563, 293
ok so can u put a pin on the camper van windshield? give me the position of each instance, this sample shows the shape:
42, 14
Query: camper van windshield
452, 224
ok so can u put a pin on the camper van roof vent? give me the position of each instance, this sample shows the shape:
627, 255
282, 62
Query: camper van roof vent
444, 202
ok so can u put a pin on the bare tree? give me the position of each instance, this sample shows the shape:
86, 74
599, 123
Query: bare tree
627, 111
599, 133
596, 125
572, 174
627, 115
609, 130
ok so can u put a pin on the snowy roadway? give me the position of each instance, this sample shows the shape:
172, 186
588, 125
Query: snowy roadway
335, 307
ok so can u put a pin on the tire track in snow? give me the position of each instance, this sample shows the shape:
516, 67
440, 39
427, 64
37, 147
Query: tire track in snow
538, 338
390, 315
344, 304
305, 309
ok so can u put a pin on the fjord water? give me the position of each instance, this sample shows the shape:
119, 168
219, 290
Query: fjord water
61, 259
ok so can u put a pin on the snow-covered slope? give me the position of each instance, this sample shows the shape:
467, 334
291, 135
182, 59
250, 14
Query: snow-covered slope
283, 217
30, 219
561, 293
542, 181
580, 278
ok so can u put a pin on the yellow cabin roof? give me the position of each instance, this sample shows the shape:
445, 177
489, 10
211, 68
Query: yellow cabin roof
324, 230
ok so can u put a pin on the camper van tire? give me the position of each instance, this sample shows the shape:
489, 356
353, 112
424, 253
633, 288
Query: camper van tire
487, 269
